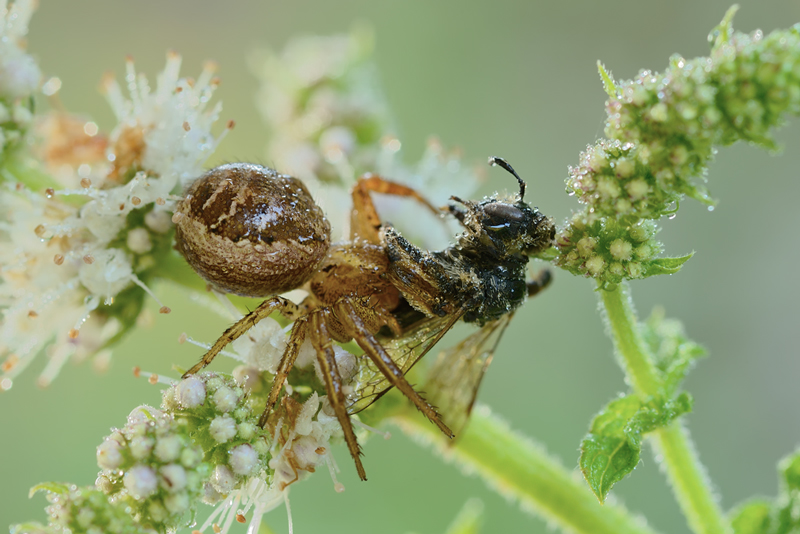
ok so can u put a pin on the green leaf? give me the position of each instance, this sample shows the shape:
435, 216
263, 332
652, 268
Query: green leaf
721, 34
752, 518
612, 448
697, 192
760, 516
50, 487
673, 353
31, 528
665, 265
469, 519
607, 455
790, 471
608, 82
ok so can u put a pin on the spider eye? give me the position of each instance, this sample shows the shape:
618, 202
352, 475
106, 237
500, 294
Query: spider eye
501, 214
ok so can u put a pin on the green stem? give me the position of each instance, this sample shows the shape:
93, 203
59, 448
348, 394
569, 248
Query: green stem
685, 472
516, 467
690, 484
634, 356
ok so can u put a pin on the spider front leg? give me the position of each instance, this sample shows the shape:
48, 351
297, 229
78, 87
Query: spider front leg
365, 221
322, 342
375, 351
285, 366
265, 309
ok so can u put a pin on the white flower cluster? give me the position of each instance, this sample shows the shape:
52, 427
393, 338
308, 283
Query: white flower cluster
298, 447
19, 74
329, 121
153, 466
104, 222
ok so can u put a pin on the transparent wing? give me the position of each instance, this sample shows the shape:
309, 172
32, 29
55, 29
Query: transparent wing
456, 375
405, 350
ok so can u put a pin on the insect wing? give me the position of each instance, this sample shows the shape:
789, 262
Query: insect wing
455, 377
405, 350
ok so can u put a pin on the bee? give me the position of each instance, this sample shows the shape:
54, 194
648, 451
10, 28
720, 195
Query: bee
251, 231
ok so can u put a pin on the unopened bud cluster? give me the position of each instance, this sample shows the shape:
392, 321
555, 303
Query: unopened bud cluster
662, 131
203, 444
81, 510
224, 424
152, 465
607, 247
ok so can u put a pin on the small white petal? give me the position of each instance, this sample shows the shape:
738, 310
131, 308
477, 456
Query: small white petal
140, 447
222, 428
140, 481
190, 392
225, 399
168, 448
173, 477
243, 459
223, 479
108, 455
177, 503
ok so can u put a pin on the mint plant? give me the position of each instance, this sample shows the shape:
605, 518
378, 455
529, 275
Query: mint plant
87, 229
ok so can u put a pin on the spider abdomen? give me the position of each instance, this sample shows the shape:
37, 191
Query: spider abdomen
251, 231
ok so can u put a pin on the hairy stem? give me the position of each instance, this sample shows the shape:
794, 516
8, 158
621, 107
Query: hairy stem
689, 480
517, 467
680, 460
632, 352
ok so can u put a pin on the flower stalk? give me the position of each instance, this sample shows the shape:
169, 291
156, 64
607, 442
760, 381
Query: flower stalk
680, 460
516, 467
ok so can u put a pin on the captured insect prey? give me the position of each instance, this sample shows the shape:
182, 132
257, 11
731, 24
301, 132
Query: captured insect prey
249, 230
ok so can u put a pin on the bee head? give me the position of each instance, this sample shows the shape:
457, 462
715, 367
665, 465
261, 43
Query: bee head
507, 226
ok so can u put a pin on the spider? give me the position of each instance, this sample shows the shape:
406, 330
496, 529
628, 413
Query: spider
251, 231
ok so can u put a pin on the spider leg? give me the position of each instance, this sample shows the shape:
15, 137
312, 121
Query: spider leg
265, 309
542, 280
322, 342
365, 221
296, 339
375, 351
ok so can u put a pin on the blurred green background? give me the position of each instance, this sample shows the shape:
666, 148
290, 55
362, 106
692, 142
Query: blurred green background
516, 79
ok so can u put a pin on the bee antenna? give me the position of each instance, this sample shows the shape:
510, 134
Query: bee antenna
494, 160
